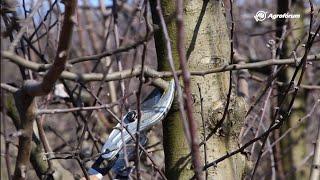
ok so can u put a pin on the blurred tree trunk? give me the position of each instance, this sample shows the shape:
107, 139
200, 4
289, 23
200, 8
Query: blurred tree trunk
282, 164
292, 150
208, 46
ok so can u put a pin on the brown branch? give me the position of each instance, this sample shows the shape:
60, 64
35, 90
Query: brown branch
61, 56
26, 107
25, 96
141, 81
43, 137
36, 160
242, 75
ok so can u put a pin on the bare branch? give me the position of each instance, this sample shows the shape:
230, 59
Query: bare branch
149, 72
24, 97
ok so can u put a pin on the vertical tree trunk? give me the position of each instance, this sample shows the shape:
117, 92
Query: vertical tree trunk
288, 157
282, 52
208, 46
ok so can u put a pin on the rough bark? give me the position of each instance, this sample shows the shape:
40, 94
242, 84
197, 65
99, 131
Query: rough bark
208, 46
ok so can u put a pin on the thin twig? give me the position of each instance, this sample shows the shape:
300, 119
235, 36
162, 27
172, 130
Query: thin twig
26, 107
302, 66
301, 120
204, 132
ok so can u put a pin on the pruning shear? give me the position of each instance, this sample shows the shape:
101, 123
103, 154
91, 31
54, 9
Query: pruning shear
150, 115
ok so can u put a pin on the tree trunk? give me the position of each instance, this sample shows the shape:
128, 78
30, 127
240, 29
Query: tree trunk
208, 46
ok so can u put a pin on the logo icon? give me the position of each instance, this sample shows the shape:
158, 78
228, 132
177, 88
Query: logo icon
260, 16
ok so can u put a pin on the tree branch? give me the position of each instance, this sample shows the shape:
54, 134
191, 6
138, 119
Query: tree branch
25, 96
149, 72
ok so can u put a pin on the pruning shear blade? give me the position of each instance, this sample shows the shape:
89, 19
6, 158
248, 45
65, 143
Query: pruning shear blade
149, 117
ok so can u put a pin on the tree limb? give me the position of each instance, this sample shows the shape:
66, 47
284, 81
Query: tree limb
25, 96
149, 72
